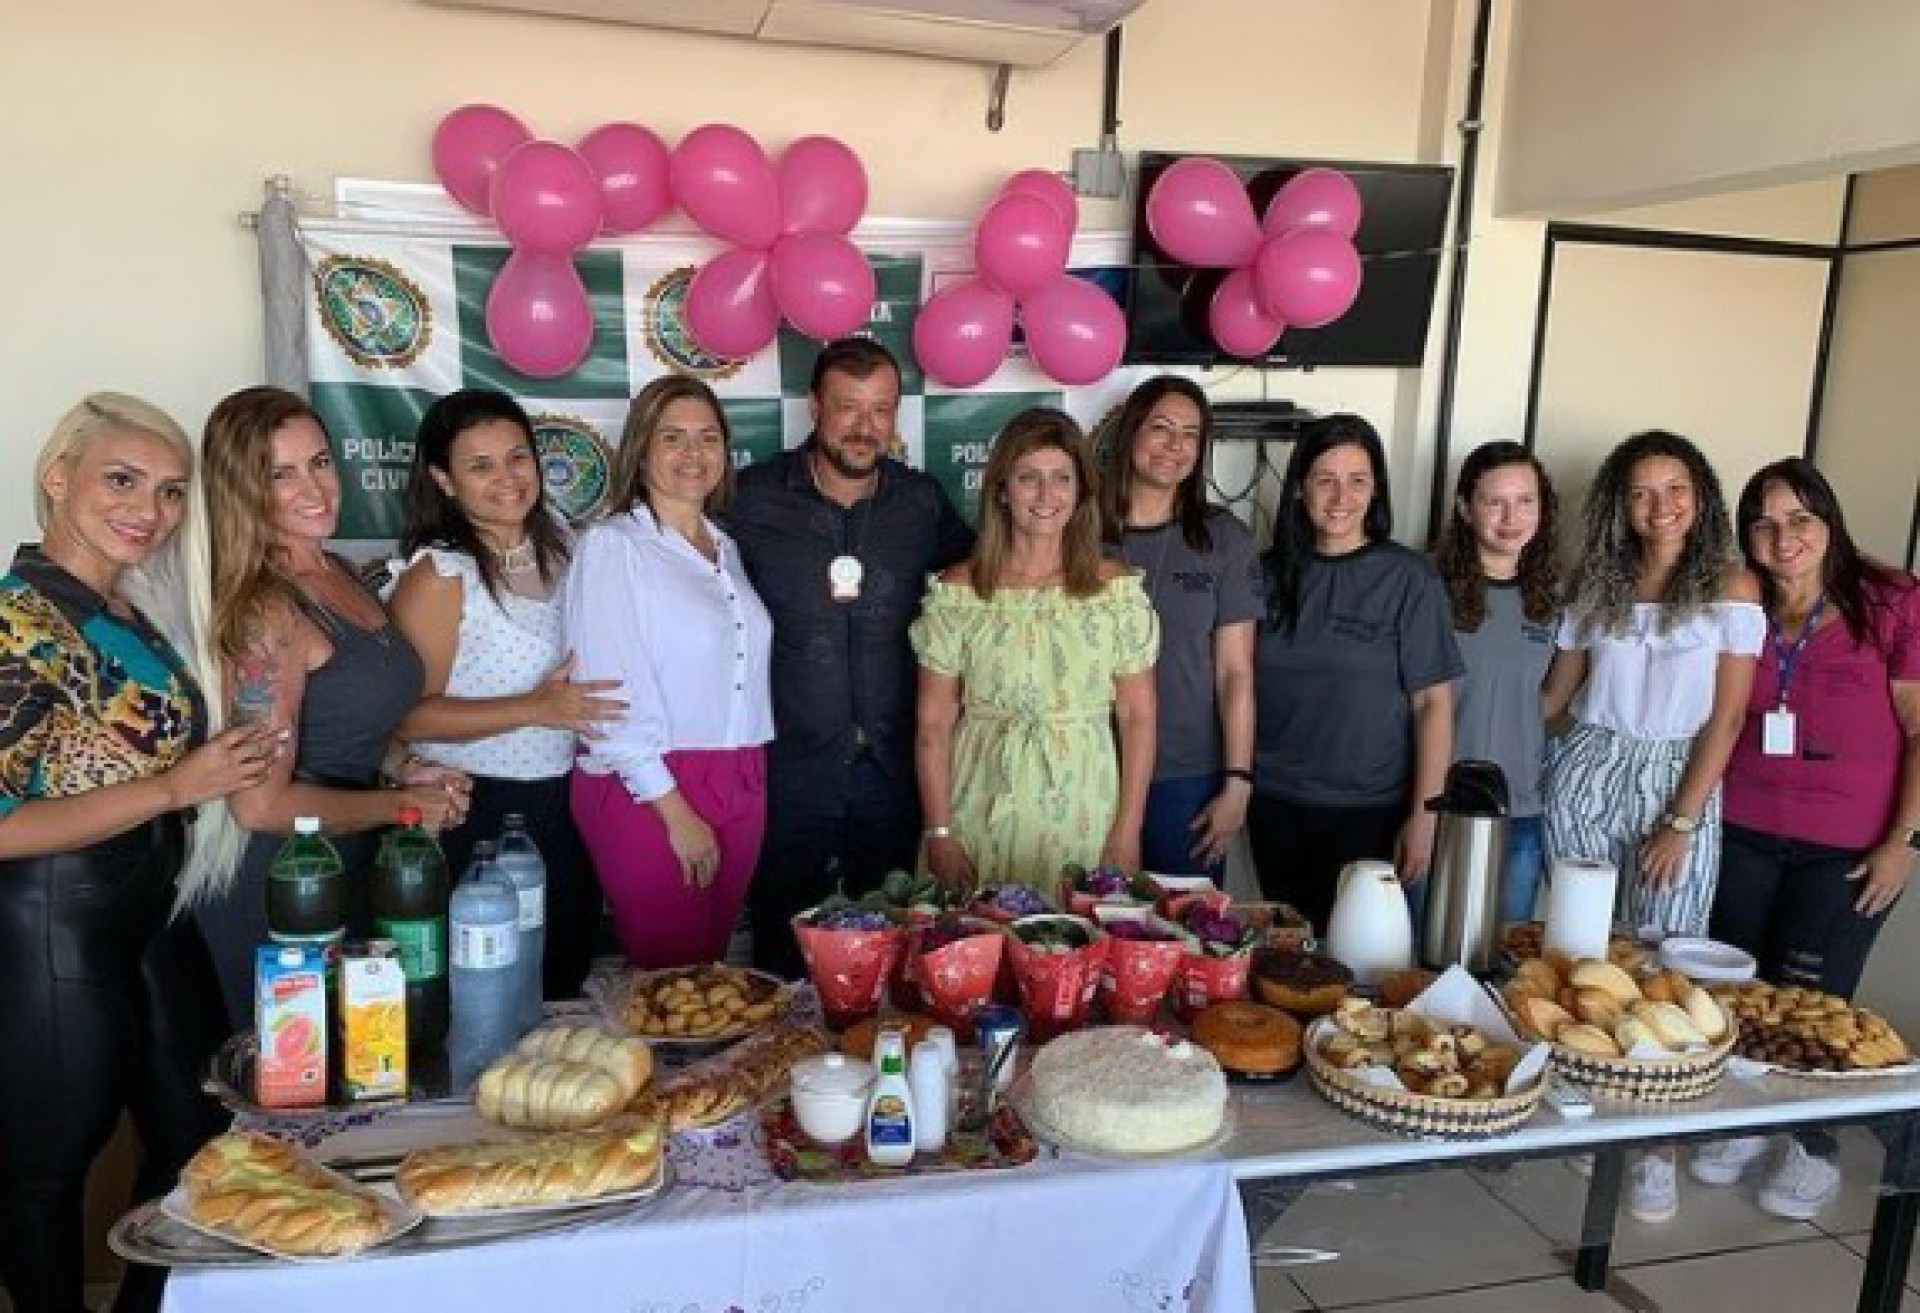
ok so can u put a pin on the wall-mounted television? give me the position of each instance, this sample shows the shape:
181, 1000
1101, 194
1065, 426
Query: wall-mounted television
1403, 223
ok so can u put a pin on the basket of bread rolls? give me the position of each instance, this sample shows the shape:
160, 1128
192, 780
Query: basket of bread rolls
1413, 1073
1655, 1037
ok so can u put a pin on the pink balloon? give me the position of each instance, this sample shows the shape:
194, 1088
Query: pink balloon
722, 179
730, 306
1050, 188
823, 188
631, 164
546, 199
468, 146
1308, 276
1239, 323
962, 333
822, 284
538, 316
1075, 331
1020, 245
1315, 198
1200, 214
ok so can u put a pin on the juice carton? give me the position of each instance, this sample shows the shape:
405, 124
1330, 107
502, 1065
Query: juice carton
290, 1019
373, 1021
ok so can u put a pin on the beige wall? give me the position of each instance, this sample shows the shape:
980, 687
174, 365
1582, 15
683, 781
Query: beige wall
1634, 102
134, 133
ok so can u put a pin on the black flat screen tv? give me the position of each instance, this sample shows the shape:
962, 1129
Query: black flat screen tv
1403, 223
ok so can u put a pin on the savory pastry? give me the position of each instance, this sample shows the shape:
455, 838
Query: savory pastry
574, 1168
703, 1002
625, 1058
261, 1192
1808, 1030
1427, 1057
1249, 1037
709, 1092
546, 1094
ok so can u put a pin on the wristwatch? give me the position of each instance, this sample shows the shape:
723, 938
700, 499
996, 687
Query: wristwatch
1913, 838
937, 832
1680, 824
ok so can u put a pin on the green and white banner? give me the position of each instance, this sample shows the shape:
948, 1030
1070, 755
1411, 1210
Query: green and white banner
396, 318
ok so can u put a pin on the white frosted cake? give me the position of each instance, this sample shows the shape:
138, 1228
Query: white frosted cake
1124, 1089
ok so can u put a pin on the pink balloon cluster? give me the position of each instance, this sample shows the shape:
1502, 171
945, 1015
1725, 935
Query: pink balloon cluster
1074, 330
1296, 265
549, 201
787, 223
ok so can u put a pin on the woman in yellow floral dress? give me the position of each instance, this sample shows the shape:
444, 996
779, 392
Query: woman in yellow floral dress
1034, 653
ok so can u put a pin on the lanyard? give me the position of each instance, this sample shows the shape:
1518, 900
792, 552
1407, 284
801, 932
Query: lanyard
1785, 657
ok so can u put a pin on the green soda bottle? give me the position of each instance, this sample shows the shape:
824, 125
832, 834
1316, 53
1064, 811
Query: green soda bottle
409, 894
307, 892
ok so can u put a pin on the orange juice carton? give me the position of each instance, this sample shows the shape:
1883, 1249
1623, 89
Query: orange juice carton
290, 1020
373, 1021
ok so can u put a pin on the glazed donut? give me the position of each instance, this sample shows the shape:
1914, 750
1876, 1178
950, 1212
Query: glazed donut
1249, 1037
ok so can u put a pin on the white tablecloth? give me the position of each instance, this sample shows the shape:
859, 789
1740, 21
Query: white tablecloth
1065, 1235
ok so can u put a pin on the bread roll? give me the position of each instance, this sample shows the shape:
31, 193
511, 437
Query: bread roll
1671, 1023
1585, 1038
1544, 1017
1606, 977
1708, 1015
542, 1094
626, 1058
1598, 1008
1632, 1031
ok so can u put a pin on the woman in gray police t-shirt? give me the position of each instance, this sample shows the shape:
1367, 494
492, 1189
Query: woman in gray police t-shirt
1204, 580
1497, 558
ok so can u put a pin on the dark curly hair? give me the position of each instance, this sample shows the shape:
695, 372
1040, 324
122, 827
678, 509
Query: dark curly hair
1608, 569
1863, 589
1286, 559
1458, 554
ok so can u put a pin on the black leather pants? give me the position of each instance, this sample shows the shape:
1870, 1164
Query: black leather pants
104, 1005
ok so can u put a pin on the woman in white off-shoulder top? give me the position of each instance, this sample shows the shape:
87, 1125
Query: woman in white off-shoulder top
1655, 657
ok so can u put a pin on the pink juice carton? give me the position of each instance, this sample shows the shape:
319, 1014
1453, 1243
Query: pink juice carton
290, 1021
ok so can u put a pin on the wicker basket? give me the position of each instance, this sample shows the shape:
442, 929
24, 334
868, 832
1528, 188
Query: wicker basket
1424, 1115
1674, 1078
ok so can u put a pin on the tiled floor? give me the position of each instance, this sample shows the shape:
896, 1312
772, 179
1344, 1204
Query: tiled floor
1500, 1242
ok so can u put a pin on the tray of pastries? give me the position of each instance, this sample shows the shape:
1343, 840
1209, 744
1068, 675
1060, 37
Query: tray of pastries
718, 1088
1419, 1075
618, 1163
693, 1006
264, 1195
1806, 1032
1653, 1036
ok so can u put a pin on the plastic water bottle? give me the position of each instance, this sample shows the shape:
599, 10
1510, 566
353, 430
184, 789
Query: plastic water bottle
484, 925
521, 862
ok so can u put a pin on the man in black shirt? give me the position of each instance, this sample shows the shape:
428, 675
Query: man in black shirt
839, 539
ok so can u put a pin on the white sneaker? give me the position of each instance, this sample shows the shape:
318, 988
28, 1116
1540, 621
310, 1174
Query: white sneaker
1653, 1186
1801, 1185
1725, 1161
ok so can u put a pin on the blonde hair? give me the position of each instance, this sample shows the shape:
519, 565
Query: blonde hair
629, 482
1038, 429
235, 575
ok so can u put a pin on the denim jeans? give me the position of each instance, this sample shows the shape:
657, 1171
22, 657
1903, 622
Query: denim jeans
1790, 904
1526, 862
1166, 832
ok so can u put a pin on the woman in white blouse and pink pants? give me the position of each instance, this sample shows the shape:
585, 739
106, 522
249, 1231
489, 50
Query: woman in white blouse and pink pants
672, 800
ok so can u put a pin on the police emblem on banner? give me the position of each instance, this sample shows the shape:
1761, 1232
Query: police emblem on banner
575, 465
375, 313
663, 327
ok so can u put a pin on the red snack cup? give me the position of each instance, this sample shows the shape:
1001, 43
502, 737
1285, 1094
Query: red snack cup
1136, 977
1201, 980
956, 980
849, 968
1056, 987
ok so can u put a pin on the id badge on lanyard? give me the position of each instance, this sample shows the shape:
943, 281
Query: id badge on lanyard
1780, 728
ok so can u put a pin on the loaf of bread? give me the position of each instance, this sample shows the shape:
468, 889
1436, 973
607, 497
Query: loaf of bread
261, 1192
545, 1094
708, 1092
626, 1058
570, 1168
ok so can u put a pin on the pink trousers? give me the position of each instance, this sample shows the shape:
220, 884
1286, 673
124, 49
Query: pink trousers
664, 920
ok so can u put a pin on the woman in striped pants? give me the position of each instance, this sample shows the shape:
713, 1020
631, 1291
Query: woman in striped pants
1654, 660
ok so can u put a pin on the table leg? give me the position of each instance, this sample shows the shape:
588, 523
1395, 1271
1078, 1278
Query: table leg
1883, 1284
1596, 1226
